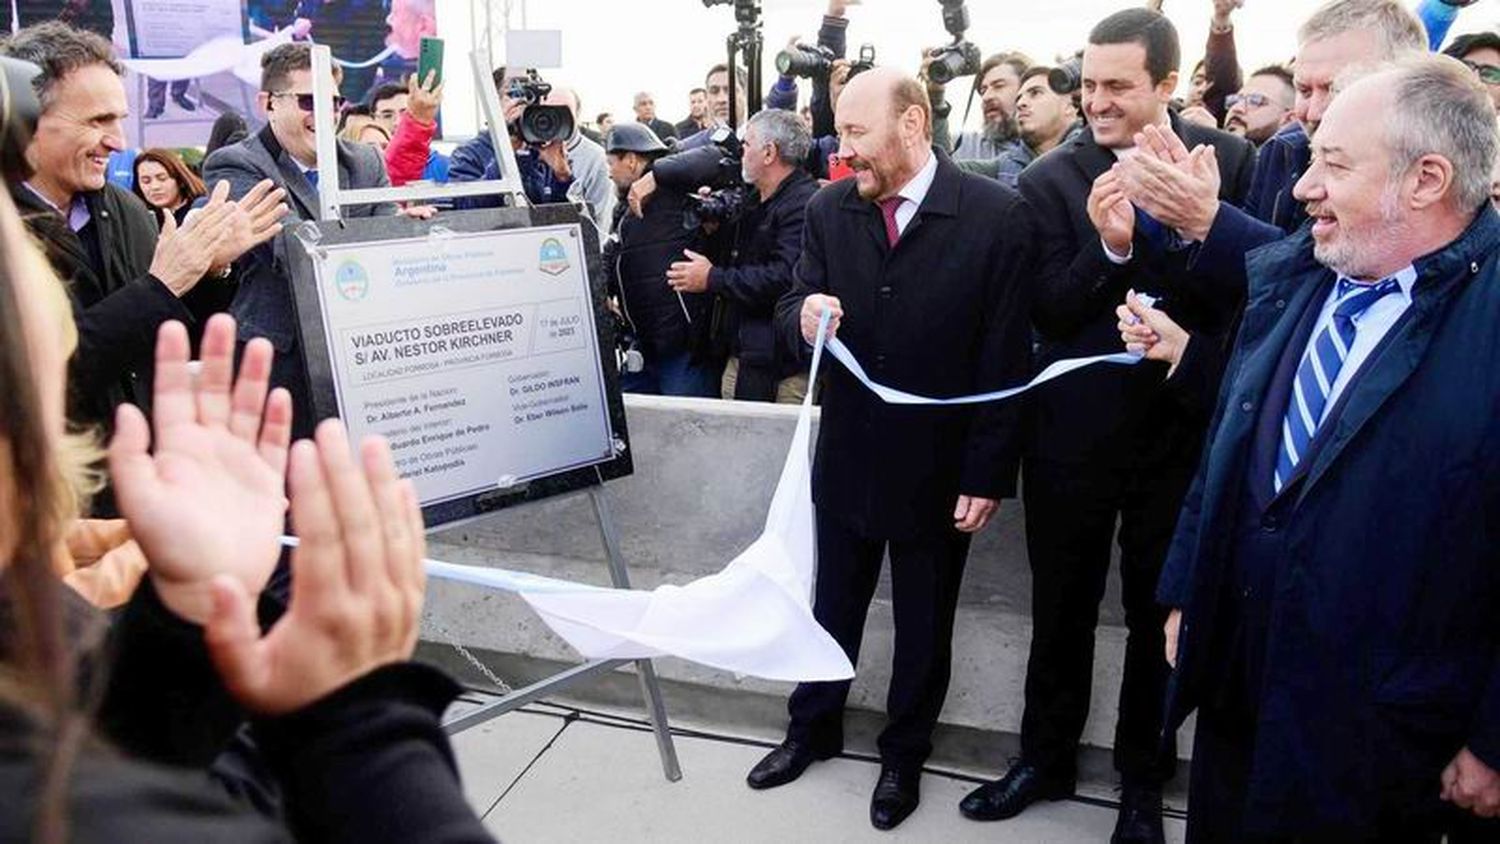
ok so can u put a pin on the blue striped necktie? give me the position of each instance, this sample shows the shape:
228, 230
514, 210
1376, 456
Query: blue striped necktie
1319, 370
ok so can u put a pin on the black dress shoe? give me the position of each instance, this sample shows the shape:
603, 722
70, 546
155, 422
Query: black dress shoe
184, 103
1004, 798
782, 765
153, 112
1140, 817
896, 796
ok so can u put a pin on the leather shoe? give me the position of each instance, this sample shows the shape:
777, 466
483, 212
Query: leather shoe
1006, 797
1140, 817
184, 103
896, 796
781, 765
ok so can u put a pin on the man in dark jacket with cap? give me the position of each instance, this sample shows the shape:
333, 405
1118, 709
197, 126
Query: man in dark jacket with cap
670, 326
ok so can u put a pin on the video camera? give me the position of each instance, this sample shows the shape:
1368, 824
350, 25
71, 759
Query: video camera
729, 194
539, 124
961, 58
816, 61
19, 112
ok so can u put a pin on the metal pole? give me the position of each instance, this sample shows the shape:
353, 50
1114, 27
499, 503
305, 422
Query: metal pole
327, 144
645, 671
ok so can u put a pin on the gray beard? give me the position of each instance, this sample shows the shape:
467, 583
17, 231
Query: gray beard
1002, 131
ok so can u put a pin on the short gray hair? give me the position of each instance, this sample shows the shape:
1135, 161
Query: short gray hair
1399, 30
1441, 108
786, 131
59, 50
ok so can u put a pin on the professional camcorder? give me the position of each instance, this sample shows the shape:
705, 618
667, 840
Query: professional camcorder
729, 194
715, 166
19, 111
961, 58
539, 124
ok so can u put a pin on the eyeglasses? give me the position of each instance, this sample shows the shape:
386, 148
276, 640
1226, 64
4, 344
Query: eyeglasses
1488, 74
1251, 100
306, 101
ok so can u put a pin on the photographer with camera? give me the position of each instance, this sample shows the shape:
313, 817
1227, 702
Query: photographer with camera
767, 240
996, 149
670, 326
555, 161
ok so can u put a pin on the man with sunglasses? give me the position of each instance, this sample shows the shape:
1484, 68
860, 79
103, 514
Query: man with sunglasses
1481, 52
1263, 106
285, 151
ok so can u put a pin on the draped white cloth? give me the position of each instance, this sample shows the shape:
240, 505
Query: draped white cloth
754, 617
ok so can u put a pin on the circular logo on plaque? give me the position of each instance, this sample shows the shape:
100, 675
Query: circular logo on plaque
351, 280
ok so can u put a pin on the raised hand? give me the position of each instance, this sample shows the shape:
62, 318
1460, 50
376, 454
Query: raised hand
208, 499
255, 219
357, 582
424, 98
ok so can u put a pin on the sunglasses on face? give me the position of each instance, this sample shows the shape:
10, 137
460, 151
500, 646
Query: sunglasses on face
1250, 100
1488, 74
306, 101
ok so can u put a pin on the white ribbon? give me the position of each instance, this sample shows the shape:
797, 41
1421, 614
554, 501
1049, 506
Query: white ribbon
755, 616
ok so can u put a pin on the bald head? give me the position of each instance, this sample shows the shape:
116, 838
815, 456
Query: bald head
884, 123
896, 90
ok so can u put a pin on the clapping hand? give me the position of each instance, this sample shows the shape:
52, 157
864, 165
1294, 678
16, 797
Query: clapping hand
206, 497
254, 219
184, 253
1111, 212
1174, 185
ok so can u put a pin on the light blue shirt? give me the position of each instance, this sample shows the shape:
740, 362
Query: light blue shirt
78, 214
1370, 327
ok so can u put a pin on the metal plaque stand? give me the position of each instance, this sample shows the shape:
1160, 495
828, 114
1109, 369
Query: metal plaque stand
619, 575
331, 199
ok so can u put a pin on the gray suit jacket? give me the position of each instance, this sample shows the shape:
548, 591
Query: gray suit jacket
263, 305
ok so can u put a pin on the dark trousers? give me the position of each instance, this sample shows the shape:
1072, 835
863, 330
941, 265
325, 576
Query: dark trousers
1071, 513
1222, 754
925, 577
156, 92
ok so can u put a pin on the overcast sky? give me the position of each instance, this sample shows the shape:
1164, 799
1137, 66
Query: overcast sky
613, 48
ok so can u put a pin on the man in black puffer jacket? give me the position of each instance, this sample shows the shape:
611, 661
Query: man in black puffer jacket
670, 327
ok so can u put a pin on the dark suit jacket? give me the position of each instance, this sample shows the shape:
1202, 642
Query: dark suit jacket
118, 310
1111, 416
1383, 655
942, 314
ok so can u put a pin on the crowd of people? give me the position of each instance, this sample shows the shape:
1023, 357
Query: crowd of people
1299, 473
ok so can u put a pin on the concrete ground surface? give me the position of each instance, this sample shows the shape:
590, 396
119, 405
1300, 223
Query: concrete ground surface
556, 773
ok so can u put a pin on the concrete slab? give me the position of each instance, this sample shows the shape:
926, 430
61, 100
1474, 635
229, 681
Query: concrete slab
601, 782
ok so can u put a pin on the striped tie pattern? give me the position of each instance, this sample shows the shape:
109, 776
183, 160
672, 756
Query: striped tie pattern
1320, 369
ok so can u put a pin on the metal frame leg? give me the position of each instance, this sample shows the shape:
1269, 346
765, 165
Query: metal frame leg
645, 671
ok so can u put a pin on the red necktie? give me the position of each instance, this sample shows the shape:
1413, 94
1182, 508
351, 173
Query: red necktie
888, 211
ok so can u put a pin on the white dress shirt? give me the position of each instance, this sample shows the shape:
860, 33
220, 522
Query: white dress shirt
914, 192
